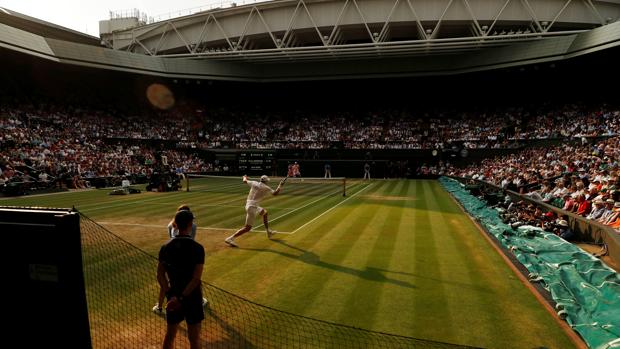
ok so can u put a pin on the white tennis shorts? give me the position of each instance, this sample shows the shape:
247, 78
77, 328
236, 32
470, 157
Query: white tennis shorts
250, 214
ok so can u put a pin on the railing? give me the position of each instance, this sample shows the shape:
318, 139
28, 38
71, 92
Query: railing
207, 7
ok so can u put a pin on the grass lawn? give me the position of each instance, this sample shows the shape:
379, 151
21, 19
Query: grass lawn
395, 256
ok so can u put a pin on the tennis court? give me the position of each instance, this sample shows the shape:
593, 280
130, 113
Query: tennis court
396, 256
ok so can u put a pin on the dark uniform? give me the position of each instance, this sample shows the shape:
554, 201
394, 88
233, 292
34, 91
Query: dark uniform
180, 257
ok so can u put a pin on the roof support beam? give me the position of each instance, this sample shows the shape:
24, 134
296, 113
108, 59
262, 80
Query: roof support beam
558, 15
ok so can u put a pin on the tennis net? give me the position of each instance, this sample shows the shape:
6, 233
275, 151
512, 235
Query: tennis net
293, 185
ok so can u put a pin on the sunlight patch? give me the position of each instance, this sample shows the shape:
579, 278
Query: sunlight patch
387, 197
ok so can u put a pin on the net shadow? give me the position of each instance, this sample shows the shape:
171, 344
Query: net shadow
121, 291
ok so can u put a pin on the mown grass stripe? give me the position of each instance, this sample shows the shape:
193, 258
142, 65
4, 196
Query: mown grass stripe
401, 265
457, 271
300, 208
429, 305
124, 203
331, 208
236, 217
365, 296
295, 198
324, 269
249, 239
303, 254
490, 281
332, 252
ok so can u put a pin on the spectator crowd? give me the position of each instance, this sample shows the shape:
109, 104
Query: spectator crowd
400, 129
583, 179
45, 143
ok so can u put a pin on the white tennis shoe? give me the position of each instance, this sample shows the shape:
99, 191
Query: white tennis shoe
270, 233
231, 242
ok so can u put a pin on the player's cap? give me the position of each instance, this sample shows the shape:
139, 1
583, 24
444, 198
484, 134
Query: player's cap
563, 223
264, 178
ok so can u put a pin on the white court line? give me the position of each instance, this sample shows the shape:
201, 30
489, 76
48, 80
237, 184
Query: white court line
243, 204
164, 227
120, 204
216, 205
299, 208
129, 201
159, 226
193, 205
225, 186
243, 197
72, 191
331, 208
46, 194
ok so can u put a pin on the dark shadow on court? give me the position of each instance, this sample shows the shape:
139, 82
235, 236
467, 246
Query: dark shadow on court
233, 338
418, 201
392, 271
477, 288
369, 273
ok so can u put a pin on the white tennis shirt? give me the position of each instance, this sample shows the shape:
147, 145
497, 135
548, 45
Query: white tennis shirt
258, 191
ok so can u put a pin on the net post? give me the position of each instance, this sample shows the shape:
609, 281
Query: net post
187, 184
344, 186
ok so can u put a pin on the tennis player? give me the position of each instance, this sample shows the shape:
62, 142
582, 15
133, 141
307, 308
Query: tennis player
258, 191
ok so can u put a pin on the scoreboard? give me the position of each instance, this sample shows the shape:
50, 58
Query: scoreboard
257, 162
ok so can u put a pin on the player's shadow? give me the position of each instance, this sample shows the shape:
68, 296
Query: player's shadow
369, 273
230, 336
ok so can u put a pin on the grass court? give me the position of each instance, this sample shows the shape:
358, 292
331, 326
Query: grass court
396, 256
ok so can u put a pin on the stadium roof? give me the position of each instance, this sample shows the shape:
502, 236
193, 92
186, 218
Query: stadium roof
311, 30
45, 29
392, 58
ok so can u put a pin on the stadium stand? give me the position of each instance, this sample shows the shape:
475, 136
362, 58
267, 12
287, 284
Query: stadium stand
522, 113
